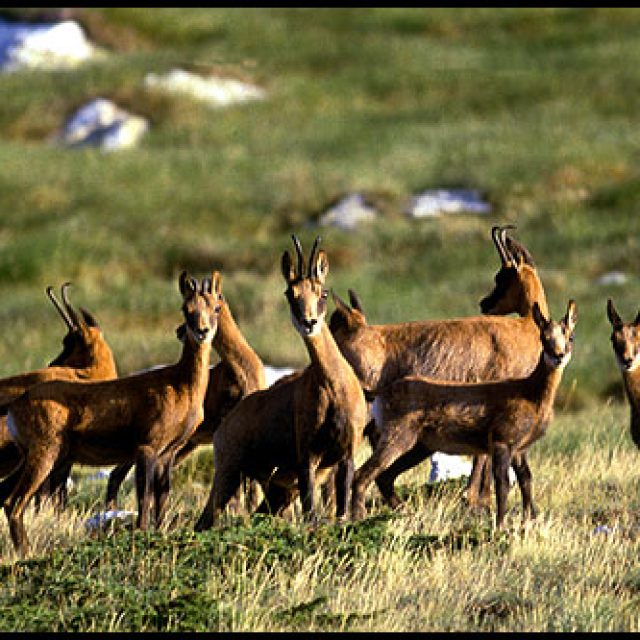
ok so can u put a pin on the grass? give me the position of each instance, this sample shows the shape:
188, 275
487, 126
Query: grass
533, 107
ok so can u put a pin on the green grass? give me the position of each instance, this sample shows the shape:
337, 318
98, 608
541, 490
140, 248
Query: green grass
536, 108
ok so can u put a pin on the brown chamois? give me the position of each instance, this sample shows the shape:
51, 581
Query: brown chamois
146, 417
295, 432
472, 349
625, 339
501, 419
85, 356
239, 373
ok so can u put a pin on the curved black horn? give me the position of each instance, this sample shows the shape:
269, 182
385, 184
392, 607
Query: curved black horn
296, 243
63, 314
70, 310
312, 258
497, 235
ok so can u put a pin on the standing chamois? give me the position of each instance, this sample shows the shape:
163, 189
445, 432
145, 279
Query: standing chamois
473, 349
625, 339
85, 355
501, 419
147, 417
239, 373
295, 432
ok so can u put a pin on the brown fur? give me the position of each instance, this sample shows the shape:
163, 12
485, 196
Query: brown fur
501, 419
146, 417
625, 340
239, 373
290, 435
473, 349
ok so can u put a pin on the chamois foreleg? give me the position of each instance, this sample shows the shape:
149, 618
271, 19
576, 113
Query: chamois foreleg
343, 483
501, 459
146, 460
162, 485
34, 472
54, 488
523, 475
226, 482
393, 444
479, 484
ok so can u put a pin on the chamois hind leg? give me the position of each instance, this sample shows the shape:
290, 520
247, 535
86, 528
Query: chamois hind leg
146, 460
479, 485
162, 485
33, 474
116, 478
523, 475
392, 444
276, 499
54, 488
386, 480
501, 459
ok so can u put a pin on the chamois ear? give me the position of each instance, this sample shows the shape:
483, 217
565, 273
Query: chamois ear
205, 285
288, 270
612, 314
89, 318
354, 299
538, 318
341, 305
216, 279
188, 286
181, 332
321, 266
571, 317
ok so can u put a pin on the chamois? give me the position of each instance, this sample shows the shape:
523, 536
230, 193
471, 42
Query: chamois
289, 435
501, 419
472, 349
239, 373
625, 339
146, 417
85, 356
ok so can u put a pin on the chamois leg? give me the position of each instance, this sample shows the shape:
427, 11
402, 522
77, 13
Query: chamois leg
162, 485
501, 461
307, 487
343, 483
8, 484
328, 491
116, 478
54, 488
276, 499
479, 485
391, 446
386, 480
523, 475
33, 475
146, 460
225, 484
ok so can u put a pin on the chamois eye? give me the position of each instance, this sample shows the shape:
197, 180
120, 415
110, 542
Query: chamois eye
324, 295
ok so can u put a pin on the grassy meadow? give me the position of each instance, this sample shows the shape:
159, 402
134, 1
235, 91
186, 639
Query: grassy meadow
535, 108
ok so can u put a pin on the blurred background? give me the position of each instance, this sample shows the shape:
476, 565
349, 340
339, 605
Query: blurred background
135, 143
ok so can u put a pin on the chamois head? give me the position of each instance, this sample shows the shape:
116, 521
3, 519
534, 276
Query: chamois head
83, 333
305, 291
625, 338
347, 319
200, 307
557, 337
516, 280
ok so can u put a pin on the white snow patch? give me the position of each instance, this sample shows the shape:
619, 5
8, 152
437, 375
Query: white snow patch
275, 373
103, 124
215, 91
348, 213
612, 277
43, 45
102, 519
435, 202
448, 467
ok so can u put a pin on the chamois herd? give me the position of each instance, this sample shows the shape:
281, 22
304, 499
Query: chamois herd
482, 386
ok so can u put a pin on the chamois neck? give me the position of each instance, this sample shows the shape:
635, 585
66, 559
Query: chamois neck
194, 360
631, 381
233, 348
532, 291
324, 352
544, 381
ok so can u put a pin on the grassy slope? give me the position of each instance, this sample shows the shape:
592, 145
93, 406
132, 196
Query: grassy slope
534, 107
